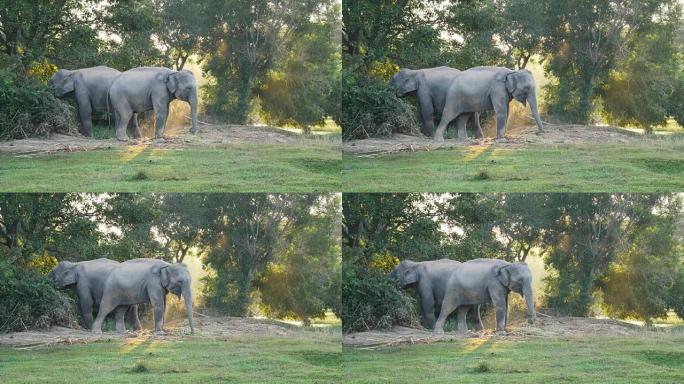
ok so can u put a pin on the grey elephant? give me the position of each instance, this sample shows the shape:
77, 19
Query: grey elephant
484, 89
430, 86
151, 88
141, 281
88, 279
89, 88
482, 281
430, 278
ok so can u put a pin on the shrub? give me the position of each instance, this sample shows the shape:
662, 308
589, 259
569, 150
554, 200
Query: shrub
371, 108
30, 300
372, 301
28, 107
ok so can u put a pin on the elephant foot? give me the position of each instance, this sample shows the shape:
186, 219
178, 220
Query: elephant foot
501, 332
438, 140
122, 137
438, 332
97, 331
501, 140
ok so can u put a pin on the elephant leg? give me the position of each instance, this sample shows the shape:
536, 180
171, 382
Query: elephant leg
136, 318
501, 118
85, 301
134, 127
461, 318
428, 309
479, 318
120, 315
85, 112
500, 305
449, 304
123, 115
461, 125
449, 114
478, 129
106, 307
162, 112
426, 114
506, 312
159, 316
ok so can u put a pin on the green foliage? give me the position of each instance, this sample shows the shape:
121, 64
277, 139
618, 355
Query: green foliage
676, 296
371, 108
30, 300
304, 281
371, 299
27, 107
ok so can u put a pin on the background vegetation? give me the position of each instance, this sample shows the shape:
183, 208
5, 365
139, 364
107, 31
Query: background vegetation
618, 62
261, 59
250, 245
608, 253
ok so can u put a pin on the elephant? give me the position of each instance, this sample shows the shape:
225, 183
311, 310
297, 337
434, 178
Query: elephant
151, 88
488, 88
90, 88
430, 86
88, 278
482, 281
430, 278
141, 281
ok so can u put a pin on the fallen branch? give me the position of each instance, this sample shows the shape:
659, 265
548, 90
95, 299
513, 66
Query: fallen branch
543, 314
201, 122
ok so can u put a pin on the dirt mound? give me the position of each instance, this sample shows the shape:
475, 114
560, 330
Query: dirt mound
544, 327
211, 136
554, 134
205, 327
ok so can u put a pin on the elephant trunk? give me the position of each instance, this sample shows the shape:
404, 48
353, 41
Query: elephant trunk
532, 99
187, 298
193, 110
529, 299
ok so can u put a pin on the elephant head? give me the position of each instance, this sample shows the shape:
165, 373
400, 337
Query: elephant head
405, 273
518, 278
62, 82
182, 86
404, 82
521, 86
64, 274
175, 278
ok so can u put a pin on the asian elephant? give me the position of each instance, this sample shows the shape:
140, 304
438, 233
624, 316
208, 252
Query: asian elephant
140, 281
484, 89
88, 279
89, 87
430, 86
151, 88
430, 278
486, 280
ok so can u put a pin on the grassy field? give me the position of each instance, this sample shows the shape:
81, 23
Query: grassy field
558, 168
580, 360
237, 168
313, 357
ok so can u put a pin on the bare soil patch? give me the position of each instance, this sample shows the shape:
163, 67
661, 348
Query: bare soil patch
544, 327
554, 134
205, 327
211, 136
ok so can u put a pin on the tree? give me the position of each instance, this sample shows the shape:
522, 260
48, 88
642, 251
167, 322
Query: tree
304, 280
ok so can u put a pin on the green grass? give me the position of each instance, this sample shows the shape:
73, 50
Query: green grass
312, 358
587, 360
644, 167
305, 167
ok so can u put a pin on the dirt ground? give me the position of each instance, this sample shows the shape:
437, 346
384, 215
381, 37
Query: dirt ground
544, 327
206, 327
208, 136
554, 134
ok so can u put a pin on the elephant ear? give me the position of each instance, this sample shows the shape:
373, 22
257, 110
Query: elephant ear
411, 276
172, 83
164, 276
511, 82
503, 274
69, 276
